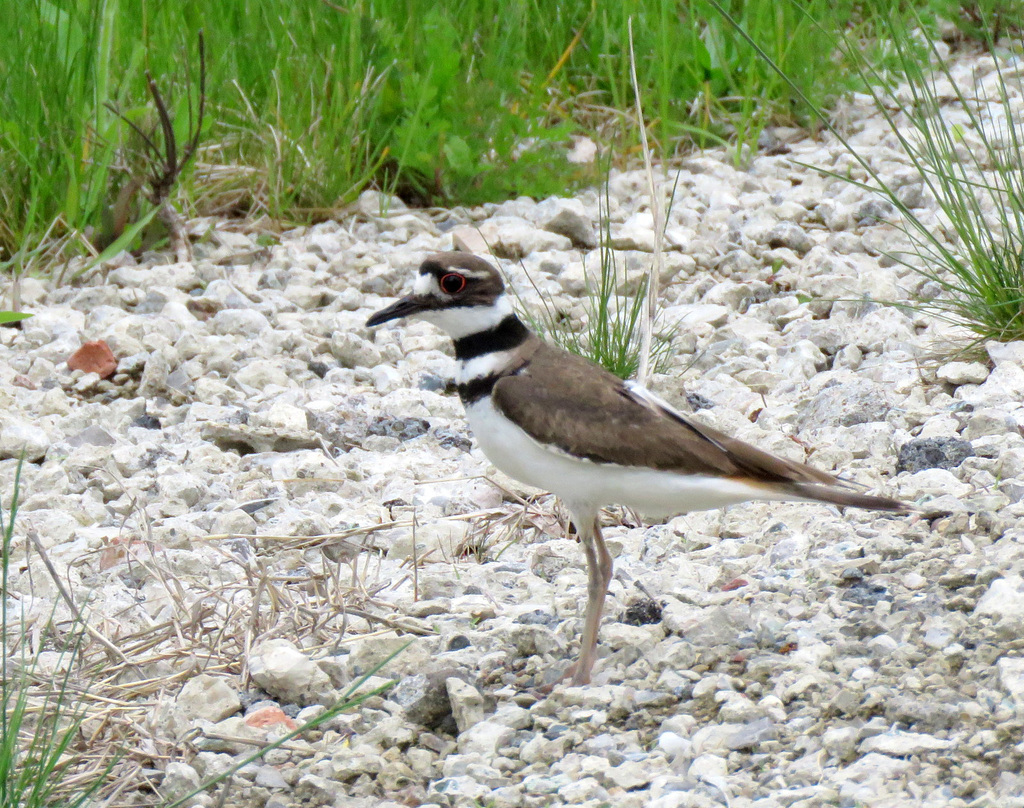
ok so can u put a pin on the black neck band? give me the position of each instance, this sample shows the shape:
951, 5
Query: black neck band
509, 333
474, 390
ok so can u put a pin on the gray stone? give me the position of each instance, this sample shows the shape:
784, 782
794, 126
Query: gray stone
854, 401
568, 218
245, 439
424, 697
790, 235
932, 453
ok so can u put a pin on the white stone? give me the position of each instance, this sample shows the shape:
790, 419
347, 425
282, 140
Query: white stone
485, 738
958, 373
931, 483
1004, 598
208, 697
19, 438
467, 703
285, 672
1011, 678
904, 744
179, 779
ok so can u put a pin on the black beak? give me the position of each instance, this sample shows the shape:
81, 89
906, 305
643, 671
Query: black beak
401, 308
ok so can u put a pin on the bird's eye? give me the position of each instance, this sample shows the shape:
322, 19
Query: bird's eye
452, 283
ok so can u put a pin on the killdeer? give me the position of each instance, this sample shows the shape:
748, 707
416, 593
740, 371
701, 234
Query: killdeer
559, 422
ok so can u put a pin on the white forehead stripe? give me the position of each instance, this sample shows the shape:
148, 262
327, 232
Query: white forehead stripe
425, 284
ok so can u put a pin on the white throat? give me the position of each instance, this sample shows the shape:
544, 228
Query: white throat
461, 321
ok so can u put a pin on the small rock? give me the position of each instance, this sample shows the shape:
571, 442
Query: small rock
932, 453
467, 704
94, 357
637, 233
904, 744
269, 716
245, 438
485, 738
19, 438
642, 612
287, 673
208, 697
352, 350
1003, 599
857, 401
1011, 677
179, 779
281, 416
788, 234
424, 697
957, 373
932, 483
568, 218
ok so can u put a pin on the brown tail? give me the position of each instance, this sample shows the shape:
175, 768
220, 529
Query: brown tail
848, 499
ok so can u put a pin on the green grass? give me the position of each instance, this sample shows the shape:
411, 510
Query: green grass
309, 103
611, 333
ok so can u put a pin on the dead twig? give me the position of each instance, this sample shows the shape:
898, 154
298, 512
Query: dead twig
163, 163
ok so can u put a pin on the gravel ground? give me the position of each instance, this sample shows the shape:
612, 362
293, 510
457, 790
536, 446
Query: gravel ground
267, 499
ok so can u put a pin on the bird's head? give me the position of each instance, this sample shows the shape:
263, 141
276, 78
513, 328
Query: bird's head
456, 291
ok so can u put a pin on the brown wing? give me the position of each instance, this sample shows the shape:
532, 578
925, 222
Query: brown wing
587, 412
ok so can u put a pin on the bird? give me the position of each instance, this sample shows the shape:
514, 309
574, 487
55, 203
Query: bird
559, 422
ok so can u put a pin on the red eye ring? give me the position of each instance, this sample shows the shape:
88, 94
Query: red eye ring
452, 283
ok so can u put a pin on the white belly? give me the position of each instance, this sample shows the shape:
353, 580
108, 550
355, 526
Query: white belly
585, 485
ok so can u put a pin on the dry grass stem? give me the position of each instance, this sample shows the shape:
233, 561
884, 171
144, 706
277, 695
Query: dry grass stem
648, 311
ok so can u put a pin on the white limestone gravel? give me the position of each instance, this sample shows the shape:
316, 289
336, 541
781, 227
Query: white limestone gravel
263, 472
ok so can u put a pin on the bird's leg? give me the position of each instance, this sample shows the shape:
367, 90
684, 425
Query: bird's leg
599, 575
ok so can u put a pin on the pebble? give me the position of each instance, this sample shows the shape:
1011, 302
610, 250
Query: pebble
285, 672
208, 697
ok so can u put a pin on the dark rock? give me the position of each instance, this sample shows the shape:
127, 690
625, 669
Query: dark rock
642, 612
256, 505
458, 642
452, 438
865, 593
318, 369
874, 211
402, 428
432, 383
424, 697
932, 453
147, 422
699, 402
537, 618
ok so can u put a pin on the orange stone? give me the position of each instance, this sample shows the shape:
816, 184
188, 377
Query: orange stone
267, 717
94, 357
